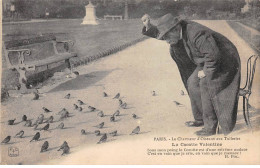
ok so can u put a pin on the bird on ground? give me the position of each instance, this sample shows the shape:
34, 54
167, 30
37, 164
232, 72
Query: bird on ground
105, 94
36, 96
153, 93
114, 133
123, 105
36, 137
80, 109
35, 126
117, 96
49, 120
120, 102
103, 139
28, 123
62, 110
177, 103
6, 140
41, 116
46, 110
66, 150
97, 132
81, 102
112, 118
63, 145
19, 134
76, 73
67, 96
136, 130
182, 92
117, 113
24, 118
83, 132
11, 122
45, 146
101, 125
100, 114
75, 106
91, 108
46, 127
64, 115
134, 116
60, 126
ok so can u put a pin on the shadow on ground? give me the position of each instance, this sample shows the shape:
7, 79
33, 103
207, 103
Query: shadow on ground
241, 126
81, 81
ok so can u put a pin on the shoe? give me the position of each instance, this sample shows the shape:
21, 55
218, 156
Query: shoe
205, 132
194, 123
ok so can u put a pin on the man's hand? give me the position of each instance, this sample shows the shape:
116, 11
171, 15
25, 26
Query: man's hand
201, 74
146, 21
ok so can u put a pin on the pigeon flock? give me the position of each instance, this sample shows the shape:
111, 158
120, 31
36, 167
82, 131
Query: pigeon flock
64, 114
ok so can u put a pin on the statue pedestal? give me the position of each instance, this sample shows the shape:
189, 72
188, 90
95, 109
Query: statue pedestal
90, 17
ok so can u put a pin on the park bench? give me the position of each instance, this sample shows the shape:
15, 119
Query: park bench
113, 17
32, 54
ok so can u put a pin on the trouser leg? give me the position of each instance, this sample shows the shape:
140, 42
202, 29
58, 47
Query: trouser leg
209, 115
195, 95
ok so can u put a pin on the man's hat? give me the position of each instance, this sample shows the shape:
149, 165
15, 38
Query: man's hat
166, 23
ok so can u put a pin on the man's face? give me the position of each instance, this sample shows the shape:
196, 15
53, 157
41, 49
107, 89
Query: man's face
173, 36
146, 20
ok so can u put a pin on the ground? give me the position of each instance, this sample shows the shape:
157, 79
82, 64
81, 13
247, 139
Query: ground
134, 73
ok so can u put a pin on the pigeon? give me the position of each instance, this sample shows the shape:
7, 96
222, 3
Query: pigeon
46, 110
36, 96
101, 125
36, 137
114, 133
66, 150
117, 113
91, 108
134, 116
100, 114
38, 121
64, 115
45, 146
120, 102
182, 92
153, 93
67, 96
36, 126
81, 102
24, 118
105, 94
123, 105
76, 73
80, 109
62, 110
117, 96
41, 116
49, 120
11, 122
136, 130
97, 132
112, 118
28, 123
83, 132
63, 145
103, 139
75, 106
19, 134
6, 140
60, 126
46, 127
177, 103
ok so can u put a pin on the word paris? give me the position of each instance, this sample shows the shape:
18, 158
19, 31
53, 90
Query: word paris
196, 138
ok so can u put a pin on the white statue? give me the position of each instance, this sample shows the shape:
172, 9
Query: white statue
90, 18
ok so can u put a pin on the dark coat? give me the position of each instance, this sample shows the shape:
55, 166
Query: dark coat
219, 58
